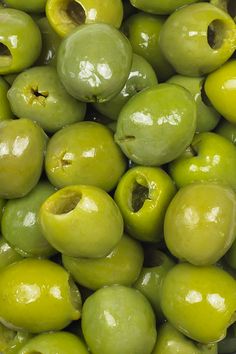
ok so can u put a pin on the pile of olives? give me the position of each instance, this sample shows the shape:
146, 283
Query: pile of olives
117, 177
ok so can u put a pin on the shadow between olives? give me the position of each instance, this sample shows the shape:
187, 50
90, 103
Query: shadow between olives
76, 12
64, 203
231, 7
216, 34
5, 55
153, 258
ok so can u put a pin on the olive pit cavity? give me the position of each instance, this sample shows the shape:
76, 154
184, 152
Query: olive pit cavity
139, 194
76, 12
37, 93
216, 34
5, 54
65, 203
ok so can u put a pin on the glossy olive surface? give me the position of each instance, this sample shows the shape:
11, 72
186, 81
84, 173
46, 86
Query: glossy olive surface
99, 71
20, 140
171, 341
84, 153
193, 296
20, 223
7, 254
38, 94
34, 289
156, 266
36, 6
143, 195
156, 125
140, 77
66, 15
81, 221
210, 158
207, 116
162, 7
199, 25
105, 325
17, 52
11, 341
5, 109
143, 31
220, 87
121, 266
200, 223
57, 342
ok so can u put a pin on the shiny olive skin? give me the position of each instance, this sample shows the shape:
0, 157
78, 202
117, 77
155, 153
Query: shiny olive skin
38, 94
7, 254
105, 325
156, 265
50, 43
81, 154
55, 342
81, 221
35, 6
206, 27
156, 125
99, 72
37, 296
11, 341
227, 130
163, 7
140, 77
65, 15
171, 341
210, 158
17, 51
200, 223
207, 116
220, 88
20, 223
143, 195
143, 32
20, 140
121, 266
192, 296
5, 109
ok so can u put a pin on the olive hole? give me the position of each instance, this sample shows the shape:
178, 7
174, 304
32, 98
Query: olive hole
65, 203
216, 34
36, 93
231, 7
5, 55
139, 194
76, 12
153, 258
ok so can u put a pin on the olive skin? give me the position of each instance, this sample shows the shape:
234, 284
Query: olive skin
121, 266
7, 254
227, 130
81, 153
18, 52
5, 109
57, 342
20, 139
35, 6
200, 223
141, 76
206, 27
38, 94
81, 221
194, 295
210, 158
65, 16
28, 295
220, 89
20, 223
207, 116
143, 195
143, 31
156, 125
163, 7
105, 326
99, 72
171, 341
11, 341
